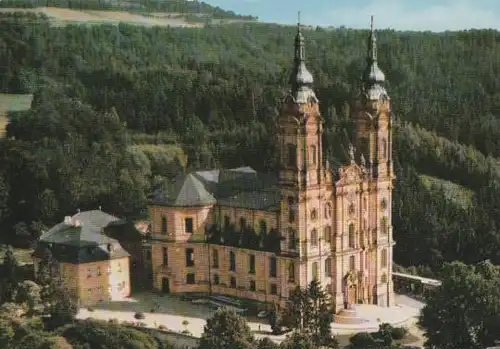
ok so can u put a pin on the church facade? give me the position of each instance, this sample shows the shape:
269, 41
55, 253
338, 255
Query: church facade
250, 235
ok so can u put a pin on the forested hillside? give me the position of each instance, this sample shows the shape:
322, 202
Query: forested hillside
115, 107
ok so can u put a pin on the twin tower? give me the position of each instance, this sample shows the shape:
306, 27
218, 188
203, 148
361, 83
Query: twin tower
342, 216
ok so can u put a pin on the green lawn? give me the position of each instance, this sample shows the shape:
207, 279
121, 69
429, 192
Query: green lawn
23, 255
12, 102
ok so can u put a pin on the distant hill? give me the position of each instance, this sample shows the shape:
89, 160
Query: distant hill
182, 7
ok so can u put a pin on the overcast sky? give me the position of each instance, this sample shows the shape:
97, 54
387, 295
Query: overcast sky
434, 15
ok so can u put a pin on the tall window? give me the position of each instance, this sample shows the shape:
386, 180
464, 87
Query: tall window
328, 267
273, 267
292, 155
352, 238
227, 222
165, 256
216, 279
232, 261
291, 272
188, 225
313, 154
233, 282
263, 227
251, 264
252, 285
315, 271
352, 263
243, 223
215, 258
327, 234
384, 228
314, 237
189, 257
163, 225
384, 148
291, 215
292, 242
384, 258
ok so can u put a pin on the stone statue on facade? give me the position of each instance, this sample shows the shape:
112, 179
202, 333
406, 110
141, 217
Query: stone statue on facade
351, 153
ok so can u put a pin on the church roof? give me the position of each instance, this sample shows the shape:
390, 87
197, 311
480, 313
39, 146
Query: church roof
239, 187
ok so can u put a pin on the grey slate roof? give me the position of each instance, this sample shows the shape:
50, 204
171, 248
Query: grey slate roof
81, 240
240, 187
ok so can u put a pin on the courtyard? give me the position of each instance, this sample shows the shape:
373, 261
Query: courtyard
177, 315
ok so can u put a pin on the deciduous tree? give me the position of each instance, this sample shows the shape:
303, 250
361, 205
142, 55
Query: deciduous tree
465, 311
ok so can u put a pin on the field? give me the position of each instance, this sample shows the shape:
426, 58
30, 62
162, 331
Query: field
11, 102
454, 192
23, 255
62, 16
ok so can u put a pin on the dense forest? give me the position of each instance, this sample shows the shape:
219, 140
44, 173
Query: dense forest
117, 107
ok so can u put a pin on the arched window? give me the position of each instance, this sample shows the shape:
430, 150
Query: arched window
314, 237
352, 239
383, 258
291, 272
384, 226
327, 234
352, 263
313, 154
292, 242
328, 267
315, 271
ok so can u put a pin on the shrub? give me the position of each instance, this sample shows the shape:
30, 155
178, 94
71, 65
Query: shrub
90, 309
185, 322
152, 310
398, 333
186, 332
163, 328
362, 340
139, 316
114, 321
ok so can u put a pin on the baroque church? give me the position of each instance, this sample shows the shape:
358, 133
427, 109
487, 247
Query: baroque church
257, 236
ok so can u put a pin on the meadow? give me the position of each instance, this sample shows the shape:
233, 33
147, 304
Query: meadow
12, 102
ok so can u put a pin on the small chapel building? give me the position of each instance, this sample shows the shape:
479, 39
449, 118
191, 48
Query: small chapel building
257, 236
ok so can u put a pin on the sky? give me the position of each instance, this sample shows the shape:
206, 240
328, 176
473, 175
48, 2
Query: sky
419, 15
